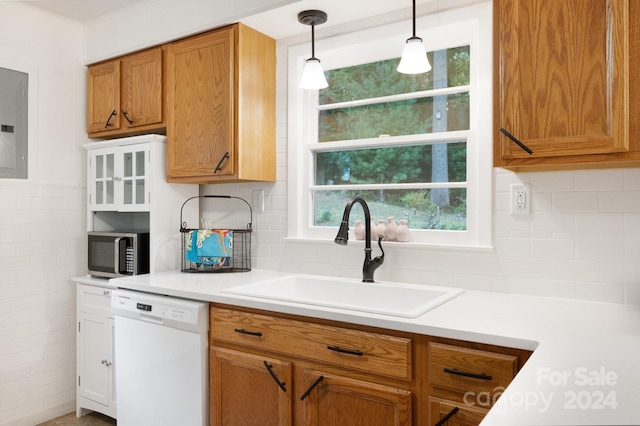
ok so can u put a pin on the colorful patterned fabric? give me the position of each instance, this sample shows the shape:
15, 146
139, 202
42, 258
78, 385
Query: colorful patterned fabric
211, 247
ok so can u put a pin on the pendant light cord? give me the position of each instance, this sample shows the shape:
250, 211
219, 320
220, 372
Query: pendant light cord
414, 19
313, 41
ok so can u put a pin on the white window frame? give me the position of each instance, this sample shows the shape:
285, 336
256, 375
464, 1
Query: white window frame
466, 26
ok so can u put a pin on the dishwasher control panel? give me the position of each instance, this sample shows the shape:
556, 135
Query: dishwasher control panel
181, 313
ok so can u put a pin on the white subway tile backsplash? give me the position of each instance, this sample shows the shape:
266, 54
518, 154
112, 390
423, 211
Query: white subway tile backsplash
632, 179
600, 223
599, 180
574, 201
552, 181
576, 270
632, 294
554, 222
599, 292
552, 249
619, 201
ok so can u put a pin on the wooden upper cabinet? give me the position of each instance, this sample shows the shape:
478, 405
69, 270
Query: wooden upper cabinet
103, 97
221, 107
125, 95
142, 88
562, 85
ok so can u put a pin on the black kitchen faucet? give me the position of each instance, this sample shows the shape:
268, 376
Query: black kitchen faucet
370, 265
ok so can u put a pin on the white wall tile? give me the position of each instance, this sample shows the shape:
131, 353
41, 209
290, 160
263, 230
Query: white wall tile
41, 218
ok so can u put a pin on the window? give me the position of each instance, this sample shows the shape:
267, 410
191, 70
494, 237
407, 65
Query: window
414, 147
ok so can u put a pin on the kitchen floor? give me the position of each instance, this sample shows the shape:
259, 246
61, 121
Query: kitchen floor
91, 419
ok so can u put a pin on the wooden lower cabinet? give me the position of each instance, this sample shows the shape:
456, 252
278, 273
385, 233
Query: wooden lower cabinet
244, 392
340, 401
450, 413
269, 368
249, 389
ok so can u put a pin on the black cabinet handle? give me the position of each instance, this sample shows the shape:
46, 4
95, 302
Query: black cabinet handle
127, 117
108, 123
457, 372
224, 157
345, 351
250, 333
516, 141
447, 417
273, 375
312, 387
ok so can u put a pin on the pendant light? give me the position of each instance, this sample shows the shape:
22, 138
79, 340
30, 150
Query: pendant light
313, 75
414, 56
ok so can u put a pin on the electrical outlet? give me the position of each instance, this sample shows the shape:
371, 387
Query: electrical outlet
258, 200
520, 198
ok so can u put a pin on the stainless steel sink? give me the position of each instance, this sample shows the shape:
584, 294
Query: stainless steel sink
395, 299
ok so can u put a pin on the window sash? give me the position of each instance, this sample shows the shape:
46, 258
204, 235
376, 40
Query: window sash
394, 98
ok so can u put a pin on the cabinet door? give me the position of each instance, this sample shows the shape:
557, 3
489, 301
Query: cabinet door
562, 79
101, 170
244, 389
103, 97
142, 88
132, 188
338, 401
200, 106
95, 358
457, 414
118, 178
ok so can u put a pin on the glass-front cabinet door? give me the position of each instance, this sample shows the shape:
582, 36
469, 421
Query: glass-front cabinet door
135, 185
101, 168
118, 178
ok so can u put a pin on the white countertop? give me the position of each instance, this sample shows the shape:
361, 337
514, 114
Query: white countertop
584, 368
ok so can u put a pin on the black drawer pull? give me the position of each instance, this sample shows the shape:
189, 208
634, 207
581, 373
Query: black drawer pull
457, 372
273, 375
516, 141
250, 333
447, 417
312, 387
345, 351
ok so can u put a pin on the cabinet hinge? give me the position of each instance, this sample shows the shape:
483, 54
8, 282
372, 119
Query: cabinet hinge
79, 326
78, 380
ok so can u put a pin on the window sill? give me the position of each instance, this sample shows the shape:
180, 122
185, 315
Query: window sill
394, 245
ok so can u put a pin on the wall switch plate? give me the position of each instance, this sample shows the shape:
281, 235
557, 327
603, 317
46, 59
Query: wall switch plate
520, 198
258, 200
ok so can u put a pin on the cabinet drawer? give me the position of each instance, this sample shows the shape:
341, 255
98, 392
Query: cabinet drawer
90, 298
458, 414
463, 369
365, 351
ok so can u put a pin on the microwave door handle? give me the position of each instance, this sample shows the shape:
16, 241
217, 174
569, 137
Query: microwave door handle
117, 255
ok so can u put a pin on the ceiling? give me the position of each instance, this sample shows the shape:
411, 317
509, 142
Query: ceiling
81, 10
277, 23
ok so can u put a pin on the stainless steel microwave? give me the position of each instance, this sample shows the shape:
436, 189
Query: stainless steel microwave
118, 254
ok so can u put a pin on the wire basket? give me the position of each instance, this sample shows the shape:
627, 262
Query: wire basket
216, 250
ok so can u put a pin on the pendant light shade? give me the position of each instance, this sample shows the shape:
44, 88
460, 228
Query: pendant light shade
414, 56
313, 75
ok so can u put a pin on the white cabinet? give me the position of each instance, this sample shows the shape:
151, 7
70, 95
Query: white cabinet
127, 190
95, 364
117, 178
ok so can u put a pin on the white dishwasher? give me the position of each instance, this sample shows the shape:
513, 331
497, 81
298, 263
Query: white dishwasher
160, 360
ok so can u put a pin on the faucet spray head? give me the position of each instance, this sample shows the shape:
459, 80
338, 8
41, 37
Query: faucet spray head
343, 234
